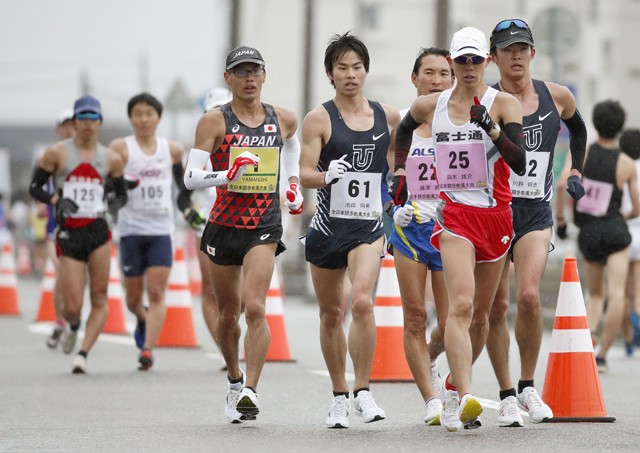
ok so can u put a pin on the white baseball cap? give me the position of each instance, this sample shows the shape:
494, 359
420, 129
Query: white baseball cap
64, 115
469, 41
216, 98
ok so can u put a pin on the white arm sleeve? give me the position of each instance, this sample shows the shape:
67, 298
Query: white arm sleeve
291, 156
195, 177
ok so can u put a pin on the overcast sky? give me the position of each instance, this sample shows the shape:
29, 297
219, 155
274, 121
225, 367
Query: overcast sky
122, 46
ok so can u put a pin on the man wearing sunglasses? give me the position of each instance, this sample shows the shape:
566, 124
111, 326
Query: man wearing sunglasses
544, 104
244, 141
474, 157
81, 166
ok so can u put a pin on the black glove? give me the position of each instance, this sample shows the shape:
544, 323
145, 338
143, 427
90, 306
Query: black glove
480, 116
115, 202
131, 184
64, 207
575, 187
398, 190
561, 231
193, 218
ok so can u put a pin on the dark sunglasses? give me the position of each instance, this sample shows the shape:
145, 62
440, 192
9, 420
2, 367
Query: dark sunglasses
93, 116
508, 23
474, 59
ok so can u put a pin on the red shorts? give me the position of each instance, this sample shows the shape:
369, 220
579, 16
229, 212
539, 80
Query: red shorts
489, 230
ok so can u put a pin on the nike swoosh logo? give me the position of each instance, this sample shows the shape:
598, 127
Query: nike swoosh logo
515, 32
541, 118
376, 137
265, 236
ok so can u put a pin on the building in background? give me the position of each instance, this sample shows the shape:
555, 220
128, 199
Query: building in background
176, 51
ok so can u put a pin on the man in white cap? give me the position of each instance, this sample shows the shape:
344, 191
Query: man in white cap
243, 235
474, 157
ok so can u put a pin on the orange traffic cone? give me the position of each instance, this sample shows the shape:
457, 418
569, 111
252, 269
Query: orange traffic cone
192, 248
24, 259
8, 282
389, 361
115, 319
572, 386
274, 311
46, 309
178, 329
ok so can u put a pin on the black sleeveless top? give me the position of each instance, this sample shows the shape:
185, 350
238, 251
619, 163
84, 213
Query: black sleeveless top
366, 151
540, 135
258, 206
600, 165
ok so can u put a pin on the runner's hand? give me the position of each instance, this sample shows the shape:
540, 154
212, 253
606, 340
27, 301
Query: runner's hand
480, 116
239, 165
336, 170
294, 200
65, 207
575, 187
403, 215
193, 217
398, 190
561, 231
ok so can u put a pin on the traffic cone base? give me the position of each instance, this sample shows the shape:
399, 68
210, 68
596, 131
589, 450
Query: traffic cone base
572, 386
389, 360
569, 408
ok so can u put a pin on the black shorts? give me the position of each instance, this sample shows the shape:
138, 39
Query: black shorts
227, 246
328, 252
528, 218
79, 243
600, 238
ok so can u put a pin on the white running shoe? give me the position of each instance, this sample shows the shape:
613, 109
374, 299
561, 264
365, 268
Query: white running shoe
509, 415
529, 401
365, 406
450, 418
55, 336
79, 365
248, 404
233, 395
339, 412
470, 410
434, 409
69, 338
436, 379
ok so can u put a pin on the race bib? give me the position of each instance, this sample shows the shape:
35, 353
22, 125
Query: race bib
531, 184
421, 177
461, 166
87, 193
152, 196
356, 196
263, 179
597, 196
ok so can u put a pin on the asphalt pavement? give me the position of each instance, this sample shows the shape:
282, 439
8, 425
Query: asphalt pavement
177, 406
